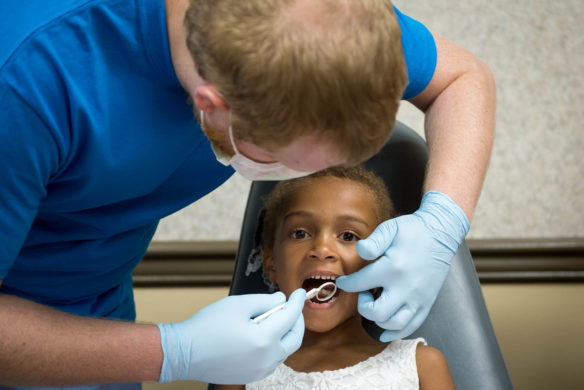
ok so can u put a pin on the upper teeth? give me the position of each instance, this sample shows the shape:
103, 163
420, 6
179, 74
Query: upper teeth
324, 277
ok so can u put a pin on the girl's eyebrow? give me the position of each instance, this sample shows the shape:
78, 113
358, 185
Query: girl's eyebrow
353, 219
302, 213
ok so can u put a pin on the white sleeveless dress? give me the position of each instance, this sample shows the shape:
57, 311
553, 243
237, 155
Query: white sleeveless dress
393, 368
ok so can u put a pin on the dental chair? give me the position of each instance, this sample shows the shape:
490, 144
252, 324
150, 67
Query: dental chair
458, 324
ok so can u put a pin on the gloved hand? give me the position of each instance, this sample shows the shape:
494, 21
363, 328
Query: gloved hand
415, 251
220, 344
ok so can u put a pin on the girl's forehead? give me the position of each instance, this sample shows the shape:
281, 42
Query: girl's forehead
323, 182
325, 192
325, 185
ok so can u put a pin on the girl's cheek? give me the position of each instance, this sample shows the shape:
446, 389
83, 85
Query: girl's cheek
359, 263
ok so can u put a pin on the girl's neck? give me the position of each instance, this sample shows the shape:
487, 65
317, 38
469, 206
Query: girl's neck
345, 333
345, 345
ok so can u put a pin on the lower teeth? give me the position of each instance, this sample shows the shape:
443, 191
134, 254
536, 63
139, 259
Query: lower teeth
314, 300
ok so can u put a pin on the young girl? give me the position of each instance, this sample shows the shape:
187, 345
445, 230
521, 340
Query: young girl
310, 229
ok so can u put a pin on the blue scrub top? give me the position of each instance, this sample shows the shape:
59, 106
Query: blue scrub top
97, 144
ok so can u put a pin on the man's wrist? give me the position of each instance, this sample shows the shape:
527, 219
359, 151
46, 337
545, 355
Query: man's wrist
447, 215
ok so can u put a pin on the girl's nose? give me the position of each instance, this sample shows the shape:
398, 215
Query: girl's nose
323, 249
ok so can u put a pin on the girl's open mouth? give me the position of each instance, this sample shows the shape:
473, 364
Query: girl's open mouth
325, 295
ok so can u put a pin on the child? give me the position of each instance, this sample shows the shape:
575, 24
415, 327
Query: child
310, 228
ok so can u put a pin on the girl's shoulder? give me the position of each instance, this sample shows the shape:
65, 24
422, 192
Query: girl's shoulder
433, 370
405, 349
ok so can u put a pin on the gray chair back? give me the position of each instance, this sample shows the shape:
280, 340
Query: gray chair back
458, 324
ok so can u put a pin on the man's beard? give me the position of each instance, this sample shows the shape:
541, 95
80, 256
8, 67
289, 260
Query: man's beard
219, 138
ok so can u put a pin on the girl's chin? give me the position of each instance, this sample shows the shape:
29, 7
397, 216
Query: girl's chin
318, 327
320, 322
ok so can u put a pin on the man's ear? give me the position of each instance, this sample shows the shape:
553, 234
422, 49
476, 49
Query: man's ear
269, 265
208, 99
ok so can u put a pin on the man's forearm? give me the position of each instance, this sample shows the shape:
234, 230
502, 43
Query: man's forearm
459, 130
42, 346
459, 104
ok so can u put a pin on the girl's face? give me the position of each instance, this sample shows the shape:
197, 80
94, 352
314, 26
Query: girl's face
315, 243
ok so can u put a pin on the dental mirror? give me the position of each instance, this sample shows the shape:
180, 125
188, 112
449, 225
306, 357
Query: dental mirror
322, 293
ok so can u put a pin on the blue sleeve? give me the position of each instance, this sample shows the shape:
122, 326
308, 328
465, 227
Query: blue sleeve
28, 158
419, 53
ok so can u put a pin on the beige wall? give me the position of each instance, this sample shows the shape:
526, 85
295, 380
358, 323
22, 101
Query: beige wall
540, 329
172, 305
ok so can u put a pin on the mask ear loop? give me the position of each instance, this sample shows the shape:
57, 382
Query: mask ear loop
231, 139
235, 151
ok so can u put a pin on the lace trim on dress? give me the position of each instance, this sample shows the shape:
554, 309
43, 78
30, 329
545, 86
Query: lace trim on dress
393, 368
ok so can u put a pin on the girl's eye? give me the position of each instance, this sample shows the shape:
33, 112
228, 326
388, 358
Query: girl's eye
299, 234
348, 236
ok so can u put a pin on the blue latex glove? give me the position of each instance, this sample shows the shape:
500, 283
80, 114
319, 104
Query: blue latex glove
415, 251
220, 344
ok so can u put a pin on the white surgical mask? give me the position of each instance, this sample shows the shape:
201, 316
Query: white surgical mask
253, 170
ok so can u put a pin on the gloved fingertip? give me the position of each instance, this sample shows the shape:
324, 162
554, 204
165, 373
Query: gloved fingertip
292, 341
379, 241
297, 299
298, 329
388, 336
368, 249
347, 283
277, 298
299, 294
400, 320
366, 306
365, 298
340, 282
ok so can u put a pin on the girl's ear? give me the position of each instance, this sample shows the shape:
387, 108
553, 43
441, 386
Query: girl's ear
269, 266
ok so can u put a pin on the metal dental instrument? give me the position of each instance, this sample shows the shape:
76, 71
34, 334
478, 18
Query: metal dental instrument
315, 292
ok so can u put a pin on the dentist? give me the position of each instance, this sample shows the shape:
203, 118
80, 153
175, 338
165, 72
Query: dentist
115, 114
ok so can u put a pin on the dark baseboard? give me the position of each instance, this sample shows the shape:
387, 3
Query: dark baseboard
186, 264
529, 260
197, 264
